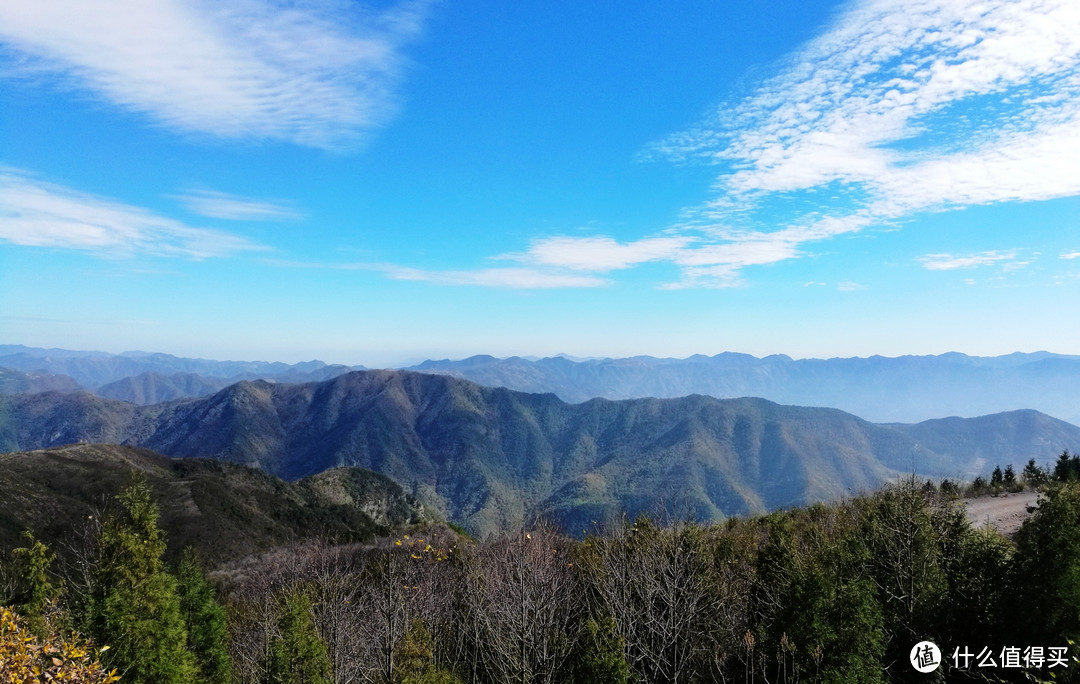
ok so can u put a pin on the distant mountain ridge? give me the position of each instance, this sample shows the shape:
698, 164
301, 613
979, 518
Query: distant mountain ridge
142, 377
491, 458
880, 389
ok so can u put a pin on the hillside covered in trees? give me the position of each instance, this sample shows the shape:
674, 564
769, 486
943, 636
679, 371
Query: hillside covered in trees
491, 458
829, 593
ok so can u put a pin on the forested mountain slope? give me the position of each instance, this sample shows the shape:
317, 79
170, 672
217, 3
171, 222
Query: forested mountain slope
224, 510
490, 457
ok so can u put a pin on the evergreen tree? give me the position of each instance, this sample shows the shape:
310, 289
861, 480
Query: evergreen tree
416, 659
1009, 479
205, 621
599, 658
1046, 570
1033, 474
996, 478
297, 654
1066, 468
37, 592
135, 607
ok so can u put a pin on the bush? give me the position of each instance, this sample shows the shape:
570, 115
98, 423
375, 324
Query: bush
27, 658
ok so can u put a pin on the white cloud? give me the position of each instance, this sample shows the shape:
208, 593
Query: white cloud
1071, 255
232, 208
849, 286
515, 278
313, 74
901, 106
599, 253
949, 262
39, 214
512, 278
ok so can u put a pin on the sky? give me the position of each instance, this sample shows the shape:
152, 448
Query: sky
382, 183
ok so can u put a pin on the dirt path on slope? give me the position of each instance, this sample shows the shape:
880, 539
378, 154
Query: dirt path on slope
1004, 513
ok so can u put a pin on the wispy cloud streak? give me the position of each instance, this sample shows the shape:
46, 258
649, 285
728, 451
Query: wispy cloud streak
35, 213
899, 107
517, 278
219, 205
902, 106
950, 262
319, 75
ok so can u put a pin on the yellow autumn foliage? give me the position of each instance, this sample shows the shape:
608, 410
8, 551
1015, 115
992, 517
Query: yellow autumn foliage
25, 659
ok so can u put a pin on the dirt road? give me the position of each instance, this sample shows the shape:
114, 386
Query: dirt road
1004, 513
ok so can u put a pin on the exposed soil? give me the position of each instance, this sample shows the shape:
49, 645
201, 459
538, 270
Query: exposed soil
1004, 512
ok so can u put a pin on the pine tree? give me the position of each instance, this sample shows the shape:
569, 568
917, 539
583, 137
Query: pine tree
1065, 468
1009, 479
416, 659
38, 593
135, 607
297, 654
205, 621
996, 478
1033, 474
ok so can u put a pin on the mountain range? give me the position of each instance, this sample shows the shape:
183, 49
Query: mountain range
877, 388
880, 389
493, 458
130, 376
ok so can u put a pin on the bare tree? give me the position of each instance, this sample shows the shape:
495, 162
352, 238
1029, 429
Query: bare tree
652, 581
525, 606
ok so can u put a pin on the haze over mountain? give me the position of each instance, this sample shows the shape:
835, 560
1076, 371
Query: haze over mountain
491, 457
95, 370
880, 389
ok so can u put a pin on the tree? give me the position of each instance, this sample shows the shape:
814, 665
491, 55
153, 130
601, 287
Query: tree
297, 654
1067, 467
600, 657
1033, 474
135, 607
905, 540
1047, 569
1009, 479
996, 479
205, 621
416, 659
529, 626
37, 592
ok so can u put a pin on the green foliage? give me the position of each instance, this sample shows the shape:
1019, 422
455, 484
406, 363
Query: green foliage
296, 654
205, 621
996, 479
1009, 479
1067, 468
979, 571
1033, 474
599, 658
1047, 569
37, 591
949, 489
905, 540
135, 607
828, 621
416, 659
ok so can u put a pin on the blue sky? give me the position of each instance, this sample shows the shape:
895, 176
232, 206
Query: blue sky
383, 183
